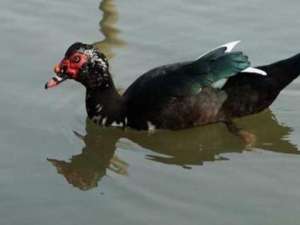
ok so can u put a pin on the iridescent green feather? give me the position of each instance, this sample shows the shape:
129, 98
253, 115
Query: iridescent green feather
186, 79
217, 65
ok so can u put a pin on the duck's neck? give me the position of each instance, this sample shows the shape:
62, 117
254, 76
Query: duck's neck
104, 105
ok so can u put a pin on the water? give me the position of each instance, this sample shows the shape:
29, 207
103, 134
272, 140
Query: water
58, 168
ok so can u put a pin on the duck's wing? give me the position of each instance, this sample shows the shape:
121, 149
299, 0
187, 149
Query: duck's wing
187, 79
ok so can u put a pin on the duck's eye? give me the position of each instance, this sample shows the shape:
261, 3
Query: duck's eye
75, 59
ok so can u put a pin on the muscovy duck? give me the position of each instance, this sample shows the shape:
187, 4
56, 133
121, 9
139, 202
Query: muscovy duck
179, 95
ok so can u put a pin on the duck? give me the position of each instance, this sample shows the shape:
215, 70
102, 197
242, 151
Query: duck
217, 87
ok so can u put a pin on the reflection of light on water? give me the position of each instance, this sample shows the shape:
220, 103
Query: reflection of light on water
107, 27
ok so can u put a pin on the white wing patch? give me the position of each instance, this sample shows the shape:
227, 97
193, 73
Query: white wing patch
254, 70
229, 46
219, 83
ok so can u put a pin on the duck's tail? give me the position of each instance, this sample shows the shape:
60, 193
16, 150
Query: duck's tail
283, 72
252, 93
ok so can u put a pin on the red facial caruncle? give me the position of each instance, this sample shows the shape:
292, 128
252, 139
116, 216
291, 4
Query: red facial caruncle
72, 65
69, 67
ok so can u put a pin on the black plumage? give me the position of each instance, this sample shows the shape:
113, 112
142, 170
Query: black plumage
180, 95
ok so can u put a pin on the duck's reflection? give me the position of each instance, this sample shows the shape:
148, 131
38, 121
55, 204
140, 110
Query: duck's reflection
108, 29
86, 169
183, 148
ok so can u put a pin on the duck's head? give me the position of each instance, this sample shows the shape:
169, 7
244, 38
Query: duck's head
83, 63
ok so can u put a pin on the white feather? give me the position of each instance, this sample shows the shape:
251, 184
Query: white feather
219, 83
229, 46
151, 126
116, 124
104, 121
254, 70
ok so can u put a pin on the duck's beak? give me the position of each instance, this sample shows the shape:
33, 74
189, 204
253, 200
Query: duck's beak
56, 80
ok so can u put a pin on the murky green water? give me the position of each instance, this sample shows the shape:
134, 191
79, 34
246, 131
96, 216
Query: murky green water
58, 168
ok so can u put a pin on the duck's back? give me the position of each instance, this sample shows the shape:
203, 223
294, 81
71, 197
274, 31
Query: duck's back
170, 97
159, 84
179, 95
